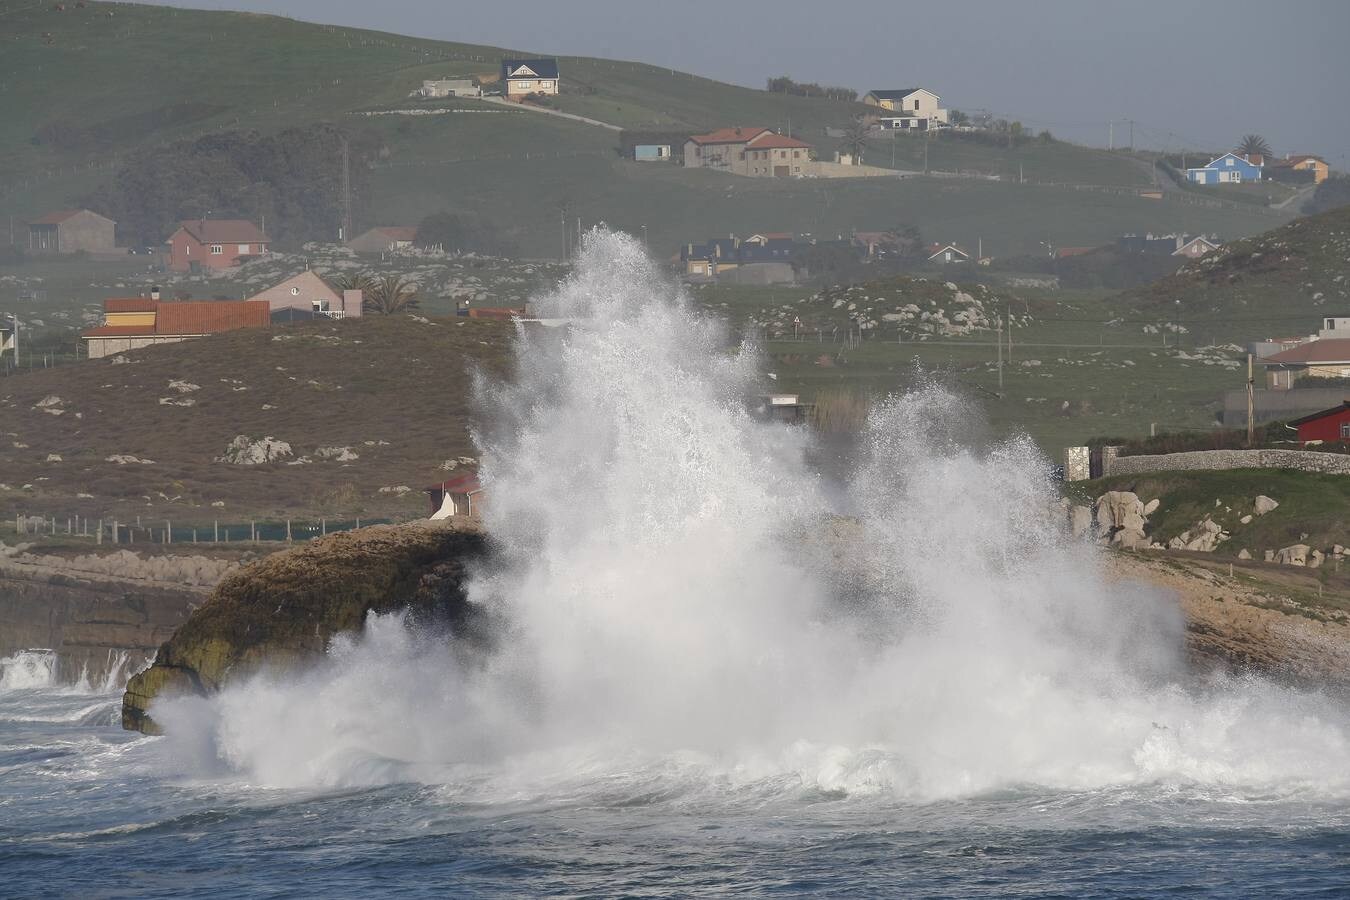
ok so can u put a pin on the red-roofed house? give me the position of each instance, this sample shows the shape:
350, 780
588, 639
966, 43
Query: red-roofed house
1313, 167
754, 152
459, 496
1322, 358
136, 322
70, 231
214, 244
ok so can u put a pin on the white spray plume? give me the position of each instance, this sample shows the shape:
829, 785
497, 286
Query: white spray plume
678, 598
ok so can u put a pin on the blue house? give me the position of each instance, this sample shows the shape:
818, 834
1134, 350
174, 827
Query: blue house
1227, 169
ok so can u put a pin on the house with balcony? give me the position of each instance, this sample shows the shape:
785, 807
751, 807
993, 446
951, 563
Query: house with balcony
307, 296
751, 152
907, 109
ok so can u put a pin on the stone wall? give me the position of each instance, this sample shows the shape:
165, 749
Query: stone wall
1206, 460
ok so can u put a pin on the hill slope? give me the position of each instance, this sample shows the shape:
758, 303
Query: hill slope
1280, 282
393, 391
85, 88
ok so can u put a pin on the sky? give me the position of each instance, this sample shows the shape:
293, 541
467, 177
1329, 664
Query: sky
1192, 76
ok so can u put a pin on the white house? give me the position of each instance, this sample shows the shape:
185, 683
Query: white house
914, 108
523, 77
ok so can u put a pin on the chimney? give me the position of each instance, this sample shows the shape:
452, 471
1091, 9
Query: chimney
154, 293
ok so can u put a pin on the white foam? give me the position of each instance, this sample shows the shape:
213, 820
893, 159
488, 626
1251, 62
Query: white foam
673, 620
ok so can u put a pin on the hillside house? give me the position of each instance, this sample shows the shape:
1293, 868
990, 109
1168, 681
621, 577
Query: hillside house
462, 495
136, 322
751, 152
947, 253
916, 109
309, 294
1227, 169
214, 244
72, 231
1197, 247
523, 77
384, 239
1299, 167
449, 87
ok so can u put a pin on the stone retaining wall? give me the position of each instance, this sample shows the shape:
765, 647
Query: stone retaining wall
1202, 460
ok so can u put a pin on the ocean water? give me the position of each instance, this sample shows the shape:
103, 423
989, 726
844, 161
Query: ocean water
715, 671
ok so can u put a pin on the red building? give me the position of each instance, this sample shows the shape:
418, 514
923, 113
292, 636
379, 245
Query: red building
214, 244
459, 496
1328, 425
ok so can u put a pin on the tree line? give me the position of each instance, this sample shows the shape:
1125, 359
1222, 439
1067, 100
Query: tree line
292, 181
785, 85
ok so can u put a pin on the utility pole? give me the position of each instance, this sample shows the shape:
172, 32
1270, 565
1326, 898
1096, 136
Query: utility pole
346, 191
1000, 354
1131, 135
1111, 135
1251, 403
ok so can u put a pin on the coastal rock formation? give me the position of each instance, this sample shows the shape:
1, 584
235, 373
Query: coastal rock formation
284, 609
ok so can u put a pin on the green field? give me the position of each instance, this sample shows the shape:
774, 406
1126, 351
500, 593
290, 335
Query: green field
101, 77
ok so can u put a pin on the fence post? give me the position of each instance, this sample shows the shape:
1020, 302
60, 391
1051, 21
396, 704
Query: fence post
216, 524
288, 531
116, 537
168, 532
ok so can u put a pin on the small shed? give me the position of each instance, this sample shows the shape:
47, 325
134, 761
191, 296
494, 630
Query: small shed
1328, 425
71, 231
459, 496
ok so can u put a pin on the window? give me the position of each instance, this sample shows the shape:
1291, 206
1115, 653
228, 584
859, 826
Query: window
217, 249
319, 305
1345, 431
243, 248
295, 292
1331, 323
1228, 161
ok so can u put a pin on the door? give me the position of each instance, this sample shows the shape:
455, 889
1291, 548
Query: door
780, 171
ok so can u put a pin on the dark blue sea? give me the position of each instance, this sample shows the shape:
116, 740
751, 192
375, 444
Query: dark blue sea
85, 811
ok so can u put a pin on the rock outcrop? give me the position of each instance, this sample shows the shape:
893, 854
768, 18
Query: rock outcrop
284, 609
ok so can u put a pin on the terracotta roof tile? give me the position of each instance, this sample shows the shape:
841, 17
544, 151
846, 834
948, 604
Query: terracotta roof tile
728, 136
210, 316
129, 304
771, 141
119, 331
1323, 352
223, 231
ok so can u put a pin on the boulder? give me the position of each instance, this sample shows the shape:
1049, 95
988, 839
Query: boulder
1117, 510
1270, 556
1244, 554
1246, 520
1315, 559
1293, 555
1264, 505
1151, 507
283, 610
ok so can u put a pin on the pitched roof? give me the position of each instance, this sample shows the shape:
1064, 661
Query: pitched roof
935, 249
1323, 352
735, 135
1313, 417
897, 94
542, 68
770, 141
56, 218
119, 331
129, 304
210, 316
223, 231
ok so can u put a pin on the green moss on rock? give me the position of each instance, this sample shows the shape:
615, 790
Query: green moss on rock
284, 609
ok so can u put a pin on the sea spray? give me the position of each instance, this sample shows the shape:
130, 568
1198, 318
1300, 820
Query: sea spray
681, 606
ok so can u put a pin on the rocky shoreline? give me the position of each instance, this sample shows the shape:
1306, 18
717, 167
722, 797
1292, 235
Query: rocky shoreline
284, 609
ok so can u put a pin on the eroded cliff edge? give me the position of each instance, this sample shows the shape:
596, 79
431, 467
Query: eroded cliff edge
284, 609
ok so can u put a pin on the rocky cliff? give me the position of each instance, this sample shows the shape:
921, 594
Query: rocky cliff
93, 608
285, 608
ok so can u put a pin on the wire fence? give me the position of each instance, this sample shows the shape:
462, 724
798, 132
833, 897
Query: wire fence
104, 530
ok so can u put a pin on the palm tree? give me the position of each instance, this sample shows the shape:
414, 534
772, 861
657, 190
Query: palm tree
855, 138
1254, 145
353, 281
390, 295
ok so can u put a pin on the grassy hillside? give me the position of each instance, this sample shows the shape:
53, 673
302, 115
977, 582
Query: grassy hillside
84, 88
393, 390
1277, 283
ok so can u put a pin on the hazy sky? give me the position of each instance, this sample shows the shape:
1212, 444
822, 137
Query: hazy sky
1191, 75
